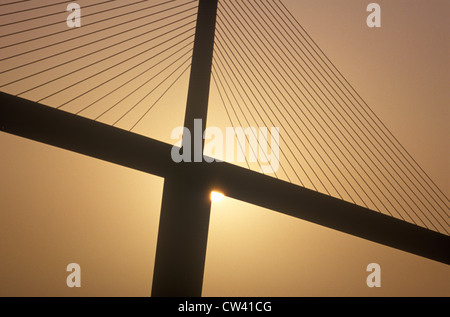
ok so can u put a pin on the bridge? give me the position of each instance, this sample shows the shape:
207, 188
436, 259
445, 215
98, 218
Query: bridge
342, 167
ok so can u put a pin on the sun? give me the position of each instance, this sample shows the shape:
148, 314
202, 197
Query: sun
216, 196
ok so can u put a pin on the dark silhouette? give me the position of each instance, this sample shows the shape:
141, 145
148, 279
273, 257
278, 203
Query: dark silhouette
185, 210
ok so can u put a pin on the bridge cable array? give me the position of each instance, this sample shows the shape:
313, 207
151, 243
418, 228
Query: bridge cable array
168, 52
267, 72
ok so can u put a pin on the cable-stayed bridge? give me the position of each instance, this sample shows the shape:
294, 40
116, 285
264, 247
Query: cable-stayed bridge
91, 90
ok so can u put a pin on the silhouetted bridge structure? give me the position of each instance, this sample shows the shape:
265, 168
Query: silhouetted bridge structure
185, 210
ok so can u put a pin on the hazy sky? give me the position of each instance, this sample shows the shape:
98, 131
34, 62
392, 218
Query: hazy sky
58, 207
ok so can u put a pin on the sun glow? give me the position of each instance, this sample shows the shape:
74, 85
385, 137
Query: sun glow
216, 196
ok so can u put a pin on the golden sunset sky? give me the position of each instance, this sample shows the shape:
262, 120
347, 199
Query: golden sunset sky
59, 207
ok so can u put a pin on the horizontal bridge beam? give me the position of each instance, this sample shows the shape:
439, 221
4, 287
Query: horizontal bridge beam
64, 130
51, 126
330, 212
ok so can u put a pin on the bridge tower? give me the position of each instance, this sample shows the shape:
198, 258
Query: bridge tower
185, 208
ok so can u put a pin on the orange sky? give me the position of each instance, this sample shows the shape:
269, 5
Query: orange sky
59, 207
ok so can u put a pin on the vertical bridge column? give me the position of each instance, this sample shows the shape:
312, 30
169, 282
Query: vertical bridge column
185, 208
